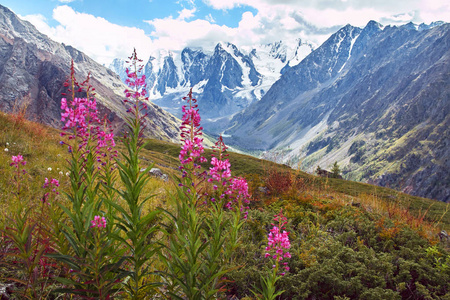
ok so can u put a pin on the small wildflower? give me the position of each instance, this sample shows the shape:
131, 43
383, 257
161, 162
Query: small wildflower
18, 160
7, 144
67, 173
6, 149
99, 222
49, 169
61, 173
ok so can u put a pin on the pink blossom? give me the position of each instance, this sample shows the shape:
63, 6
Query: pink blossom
135, 80
18, 160
191, 132
278, 242
52, 184
99, 222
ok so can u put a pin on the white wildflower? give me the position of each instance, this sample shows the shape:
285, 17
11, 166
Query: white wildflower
49, 169
6, 149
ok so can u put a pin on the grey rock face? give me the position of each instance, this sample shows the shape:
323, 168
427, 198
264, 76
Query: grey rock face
167, 77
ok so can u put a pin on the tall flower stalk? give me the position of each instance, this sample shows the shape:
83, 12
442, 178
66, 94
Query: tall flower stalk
204, 235
17, 161
135, 226
93, 270
277, 248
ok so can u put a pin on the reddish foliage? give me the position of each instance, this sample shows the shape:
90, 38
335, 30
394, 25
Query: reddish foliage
278, 182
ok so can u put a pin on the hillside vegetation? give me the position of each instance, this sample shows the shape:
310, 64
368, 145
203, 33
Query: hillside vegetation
348, 240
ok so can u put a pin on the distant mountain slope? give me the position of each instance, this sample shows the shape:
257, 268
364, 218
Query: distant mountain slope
375, 100
225, 80
33, 69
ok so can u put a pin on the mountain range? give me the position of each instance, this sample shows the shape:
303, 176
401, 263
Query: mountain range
33, 69
374, 99
225, 80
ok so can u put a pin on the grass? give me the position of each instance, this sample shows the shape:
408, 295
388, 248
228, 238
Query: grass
165, 153
40, 147
320, 210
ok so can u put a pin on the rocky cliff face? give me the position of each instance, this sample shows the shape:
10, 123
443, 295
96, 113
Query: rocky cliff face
33, 69
375, 99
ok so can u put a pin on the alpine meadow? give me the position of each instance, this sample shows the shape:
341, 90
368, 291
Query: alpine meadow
285, 170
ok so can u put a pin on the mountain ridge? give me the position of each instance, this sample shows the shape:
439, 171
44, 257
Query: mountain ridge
389, 84
33, 69
225, 79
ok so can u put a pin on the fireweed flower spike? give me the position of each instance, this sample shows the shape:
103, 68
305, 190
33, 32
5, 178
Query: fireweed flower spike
98, 222
191, 154
278, 242
50, 184
17, 161
136, 224
276, 250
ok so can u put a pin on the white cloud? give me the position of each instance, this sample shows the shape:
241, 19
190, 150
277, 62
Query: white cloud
312, 20
101, 40
315, 20
39, 21
210, 18
186, 13
175, 34
66, 1
325, 13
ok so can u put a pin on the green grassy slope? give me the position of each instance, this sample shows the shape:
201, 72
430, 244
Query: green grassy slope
348, 240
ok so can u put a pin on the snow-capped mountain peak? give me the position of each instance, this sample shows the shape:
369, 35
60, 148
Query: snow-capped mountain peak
240, 76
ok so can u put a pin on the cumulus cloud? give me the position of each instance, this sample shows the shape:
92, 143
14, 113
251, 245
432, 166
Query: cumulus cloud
101, 40
325, 13
39, 21
274, 20
315, 20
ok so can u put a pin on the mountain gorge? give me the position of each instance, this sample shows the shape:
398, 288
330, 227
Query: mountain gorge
33, 69
376, 100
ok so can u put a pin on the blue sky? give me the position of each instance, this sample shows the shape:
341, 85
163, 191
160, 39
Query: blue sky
106, 29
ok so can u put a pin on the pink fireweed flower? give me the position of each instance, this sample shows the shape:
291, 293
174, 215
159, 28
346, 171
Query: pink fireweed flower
79, 114
235, 190
18, 160
53, 183
50, 184
191, 132
220, 169
278, 243
135, 80
81, 120
105, 140
99, 222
